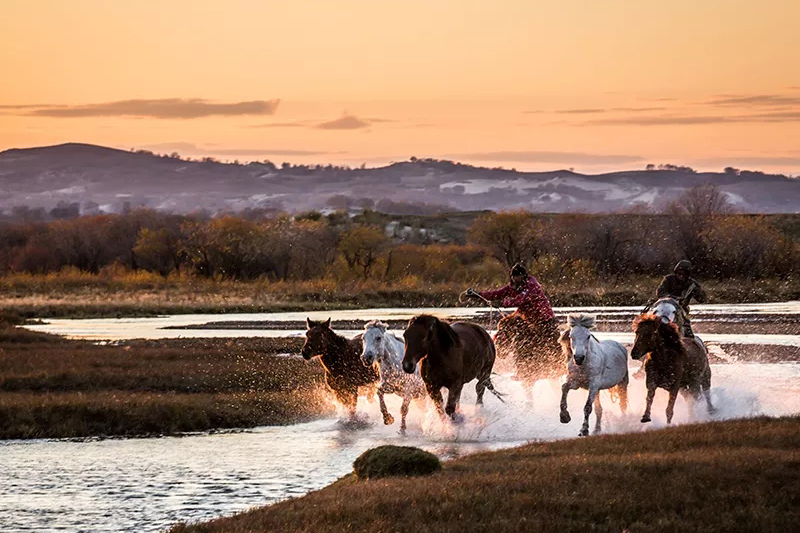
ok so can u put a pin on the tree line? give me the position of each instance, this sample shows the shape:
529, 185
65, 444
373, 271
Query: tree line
699, 226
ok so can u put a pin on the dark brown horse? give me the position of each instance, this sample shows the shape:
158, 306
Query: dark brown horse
675, 363
449, 355
341, 359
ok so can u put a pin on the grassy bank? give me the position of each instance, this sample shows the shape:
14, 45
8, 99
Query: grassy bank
50, 387
733, 476
79, 295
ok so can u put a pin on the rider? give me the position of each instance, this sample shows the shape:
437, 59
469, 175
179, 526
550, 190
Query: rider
683, 288
531, 329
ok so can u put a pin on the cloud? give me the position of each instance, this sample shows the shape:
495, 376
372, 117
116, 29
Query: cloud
752, 161
187, 148
755, 100
347, 122
668, 120
548, 157
167, 108
174, 146
580, 111
638, 109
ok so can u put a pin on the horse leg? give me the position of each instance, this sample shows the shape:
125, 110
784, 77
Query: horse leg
453, 395
436, 396
707, 393
673, 395
651, 392
598, 408
622, 391
404, 412
388, 419
587, 410
480, 388
565, 388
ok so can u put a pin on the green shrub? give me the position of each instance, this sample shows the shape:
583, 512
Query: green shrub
395, 461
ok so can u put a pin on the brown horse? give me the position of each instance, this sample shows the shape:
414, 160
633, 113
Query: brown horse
675, 363
341, 359
450, 355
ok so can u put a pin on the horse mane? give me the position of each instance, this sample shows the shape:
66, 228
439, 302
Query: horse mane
586, 321
566, 347
668, 331
447, 337
376, 324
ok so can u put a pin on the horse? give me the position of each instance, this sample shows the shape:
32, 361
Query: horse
675, 364
534, 347
341, 360
592, 365
383, 348
449, 355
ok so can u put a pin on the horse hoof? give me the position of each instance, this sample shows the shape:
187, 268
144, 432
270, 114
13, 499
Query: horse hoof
388, 420
645, 419
565, 418
457, 418
584, 433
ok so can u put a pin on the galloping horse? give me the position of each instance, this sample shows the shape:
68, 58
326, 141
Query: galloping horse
341, 359
449, 355
382, 347
675, 364
592, 365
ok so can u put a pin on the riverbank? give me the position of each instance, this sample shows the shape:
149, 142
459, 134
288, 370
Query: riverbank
55, 388
731, 476
79, 295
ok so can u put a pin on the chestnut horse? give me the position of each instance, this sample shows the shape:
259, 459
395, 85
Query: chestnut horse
675, 364
449, 355
341, 360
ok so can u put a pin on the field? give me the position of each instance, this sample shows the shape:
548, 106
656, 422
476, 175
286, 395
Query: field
732, 476
50, 387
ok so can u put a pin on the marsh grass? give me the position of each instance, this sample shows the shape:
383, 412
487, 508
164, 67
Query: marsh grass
734, 476
121, 293
51, 387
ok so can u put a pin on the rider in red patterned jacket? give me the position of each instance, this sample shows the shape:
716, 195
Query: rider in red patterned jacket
524, 293
529, 335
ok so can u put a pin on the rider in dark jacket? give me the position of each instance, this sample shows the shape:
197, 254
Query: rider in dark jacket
683, 288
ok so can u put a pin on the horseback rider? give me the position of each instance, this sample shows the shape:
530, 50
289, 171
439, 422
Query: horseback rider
531, 331
682, 287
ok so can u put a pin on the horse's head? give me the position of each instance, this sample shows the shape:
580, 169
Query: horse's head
426, 332
373, 342
579, 335
646, 328
317, 337
669, 310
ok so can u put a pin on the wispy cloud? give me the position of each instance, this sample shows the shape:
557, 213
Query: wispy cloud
638, 109
755, 100
579, 111
167, 108
754, 161
280, 125
533, 156
347, 122
667, 120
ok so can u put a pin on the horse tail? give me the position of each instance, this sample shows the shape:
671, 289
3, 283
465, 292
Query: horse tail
490, 386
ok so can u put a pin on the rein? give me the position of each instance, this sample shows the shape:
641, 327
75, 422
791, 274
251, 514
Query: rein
487, 302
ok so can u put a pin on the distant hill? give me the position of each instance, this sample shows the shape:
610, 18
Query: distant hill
100, 178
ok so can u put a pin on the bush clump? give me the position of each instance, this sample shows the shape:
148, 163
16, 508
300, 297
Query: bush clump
395, 461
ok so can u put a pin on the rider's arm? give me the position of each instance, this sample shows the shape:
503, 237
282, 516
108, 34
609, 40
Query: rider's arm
699, 294
532, 292
499, 294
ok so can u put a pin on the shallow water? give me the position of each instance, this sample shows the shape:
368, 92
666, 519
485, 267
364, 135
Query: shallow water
149, 484
153, 328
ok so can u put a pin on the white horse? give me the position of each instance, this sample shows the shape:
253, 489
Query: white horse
670, 310
382, 348
592, 365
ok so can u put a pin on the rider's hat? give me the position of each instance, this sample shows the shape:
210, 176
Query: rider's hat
684, 264
518, 270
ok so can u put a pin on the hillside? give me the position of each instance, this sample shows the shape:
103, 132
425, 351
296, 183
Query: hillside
107, 179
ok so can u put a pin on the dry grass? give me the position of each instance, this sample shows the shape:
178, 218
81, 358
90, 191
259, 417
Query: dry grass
110, 294
50, 387
727, 477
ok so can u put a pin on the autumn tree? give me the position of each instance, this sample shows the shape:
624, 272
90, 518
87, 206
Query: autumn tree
361, 246
510, 236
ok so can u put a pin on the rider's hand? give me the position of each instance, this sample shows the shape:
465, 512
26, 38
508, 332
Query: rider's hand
471, 292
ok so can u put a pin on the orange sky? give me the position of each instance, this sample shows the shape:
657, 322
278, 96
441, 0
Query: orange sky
594, 85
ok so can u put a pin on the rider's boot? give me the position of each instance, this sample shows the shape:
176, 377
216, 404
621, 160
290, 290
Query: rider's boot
687, 329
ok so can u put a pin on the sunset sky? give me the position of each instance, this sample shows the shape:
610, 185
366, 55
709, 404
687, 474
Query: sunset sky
594, 85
